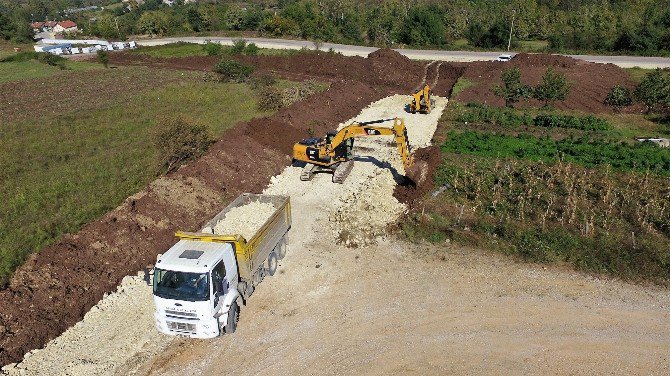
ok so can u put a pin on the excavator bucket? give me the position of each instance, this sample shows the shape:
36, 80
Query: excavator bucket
417, 173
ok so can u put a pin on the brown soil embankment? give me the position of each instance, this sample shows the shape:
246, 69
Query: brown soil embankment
590, 82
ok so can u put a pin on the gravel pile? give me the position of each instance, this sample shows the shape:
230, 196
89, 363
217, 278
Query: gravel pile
245, 220
113, 331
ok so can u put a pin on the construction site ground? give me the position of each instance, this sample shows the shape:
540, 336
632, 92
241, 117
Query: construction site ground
348, 298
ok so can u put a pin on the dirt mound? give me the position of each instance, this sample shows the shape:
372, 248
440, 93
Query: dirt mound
409, 193
590, 82
382, 67
534, 60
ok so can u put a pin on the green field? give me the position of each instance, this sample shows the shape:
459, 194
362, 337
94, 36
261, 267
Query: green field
576, 190
16, 71
63, 170
182, 49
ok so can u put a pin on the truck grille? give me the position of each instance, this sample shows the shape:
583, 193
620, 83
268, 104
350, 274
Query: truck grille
181, 327
181, 315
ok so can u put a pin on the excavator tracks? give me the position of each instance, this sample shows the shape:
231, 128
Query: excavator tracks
308, 172
342, 171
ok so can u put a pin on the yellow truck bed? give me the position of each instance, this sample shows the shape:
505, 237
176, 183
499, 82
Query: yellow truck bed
251, 253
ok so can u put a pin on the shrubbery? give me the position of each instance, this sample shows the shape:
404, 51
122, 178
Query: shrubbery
623, 157
476, 113
178, 140
233, 70
212, 49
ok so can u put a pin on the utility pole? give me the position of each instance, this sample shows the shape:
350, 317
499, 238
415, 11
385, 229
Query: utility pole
511, 28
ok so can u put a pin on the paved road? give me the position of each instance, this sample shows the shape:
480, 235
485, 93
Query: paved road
464, 56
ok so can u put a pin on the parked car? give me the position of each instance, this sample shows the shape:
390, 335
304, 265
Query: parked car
504, 58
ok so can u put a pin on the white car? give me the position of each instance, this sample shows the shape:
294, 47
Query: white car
504, 58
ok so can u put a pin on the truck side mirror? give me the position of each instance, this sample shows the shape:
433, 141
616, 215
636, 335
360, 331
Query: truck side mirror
147, 276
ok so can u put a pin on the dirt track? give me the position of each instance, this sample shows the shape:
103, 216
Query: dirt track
397, 308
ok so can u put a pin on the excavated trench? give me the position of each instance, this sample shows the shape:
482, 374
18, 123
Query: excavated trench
55, 288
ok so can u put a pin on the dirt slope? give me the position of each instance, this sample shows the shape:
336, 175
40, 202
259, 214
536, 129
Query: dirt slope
590, 82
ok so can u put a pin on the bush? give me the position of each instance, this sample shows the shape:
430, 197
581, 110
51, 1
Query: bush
179, 140
654, 90
251, 49
619, 97
212, 49
269, 99
262, 80
512, 89
103, 58
233, 70
554, 87
238, 46
51, 59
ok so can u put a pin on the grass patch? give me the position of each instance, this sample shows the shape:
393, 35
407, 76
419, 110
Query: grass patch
24, 70
180, 49
183, 49
462, 84
60, 173
637, 74
533, 45
622, 157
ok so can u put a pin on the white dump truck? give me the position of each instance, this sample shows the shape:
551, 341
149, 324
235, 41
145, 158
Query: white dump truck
201, 281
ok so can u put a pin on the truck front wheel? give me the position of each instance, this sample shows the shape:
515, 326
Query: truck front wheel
233, 316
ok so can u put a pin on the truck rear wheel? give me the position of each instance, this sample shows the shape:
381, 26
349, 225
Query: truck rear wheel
233, 316
280, 249
272, 264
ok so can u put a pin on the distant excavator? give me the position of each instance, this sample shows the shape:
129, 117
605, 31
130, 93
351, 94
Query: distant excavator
334, 153
421, 101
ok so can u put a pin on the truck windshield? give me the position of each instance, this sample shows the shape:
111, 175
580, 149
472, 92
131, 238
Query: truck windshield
170, 284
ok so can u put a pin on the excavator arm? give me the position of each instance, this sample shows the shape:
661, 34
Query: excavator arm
399, 133
332, 153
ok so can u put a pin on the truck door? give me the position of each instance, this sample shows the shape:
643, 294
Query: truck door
230, 263
219, 285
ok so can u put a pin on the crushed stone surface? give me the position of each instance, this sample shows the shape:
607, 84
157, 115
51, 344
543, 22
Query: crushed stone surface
245, 220
120, 324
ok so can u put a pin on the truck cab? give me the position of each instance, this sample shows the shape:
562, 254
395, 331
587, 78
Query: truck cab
195, 289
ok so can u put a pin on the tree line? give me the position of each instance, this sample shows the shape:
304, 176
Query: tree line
641, 26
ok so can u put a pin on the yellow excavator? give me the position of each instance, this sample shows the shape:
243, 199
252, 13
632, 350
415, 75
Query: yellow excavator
334, 153
421, 101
